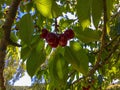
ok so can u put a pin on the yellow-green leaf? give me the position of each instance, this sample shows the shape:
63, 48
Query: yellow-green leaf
48, 8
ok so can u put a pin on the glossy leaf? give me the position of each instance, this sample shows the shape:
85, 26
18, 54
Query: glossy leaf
83, 12
77, 57
26, 28
48, 8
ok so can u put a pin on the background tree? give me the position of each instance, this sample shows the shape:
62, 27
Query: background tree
79, 53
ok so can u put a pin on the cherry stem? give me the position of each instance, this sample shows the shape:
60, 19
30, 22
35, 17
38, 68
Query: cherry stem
56, 25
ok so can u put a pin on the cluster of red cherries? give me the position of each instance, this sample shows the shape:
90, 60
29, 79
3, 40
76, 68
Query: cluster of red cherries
54, 39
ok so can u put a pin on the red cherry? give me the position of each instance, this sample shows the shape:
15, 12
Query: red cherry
53, 45
69, 33
62, 40
44, 33
52, 39
86, 88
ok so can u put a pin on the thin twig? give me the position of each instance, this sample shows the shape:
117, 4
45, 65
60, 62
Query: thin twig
56, 25
71, 73
113, 50
10, 42
115, 38
78, 80
110, 43
115, 15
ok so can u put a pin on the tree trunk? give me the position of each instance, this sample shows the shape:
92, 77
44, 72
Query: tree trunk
2, 57
6, 38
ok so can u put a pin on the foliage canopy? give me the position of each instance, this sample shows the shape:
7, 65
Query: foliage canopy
91, 58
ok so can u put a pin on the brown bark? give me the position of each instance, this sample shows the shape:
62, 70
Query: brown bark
103, 42
6, 39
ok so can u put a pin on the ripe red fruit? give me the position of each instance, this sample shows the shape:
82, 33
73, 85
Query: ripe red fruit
52, 39
86, 88
62, 40
44, 33
53, 45
69, 33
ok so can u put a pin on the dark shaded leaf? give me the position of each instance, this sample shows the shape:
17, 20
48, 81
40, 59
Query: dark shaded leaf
77, 57
37, 57
87, 35
83, 11
26, 28
97, 8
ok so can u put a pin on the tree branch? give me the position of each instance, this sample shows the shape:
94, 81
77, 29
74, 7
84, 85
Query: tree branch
9, 21
102, 39
5, 40
115, 15
102, 47
13, 43
105, 61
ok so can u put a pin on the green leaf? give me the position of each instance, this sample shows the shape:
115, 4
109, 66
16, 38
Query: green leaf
40, 20
61, 67
37, 57
48, 8
77, 57
52, 70
25, 52
29, 6
97, 8
2, 1
83, 11
26, 28
1, 14
91, 57
58, 68
87, 35
48, 50
65, 23
13, 37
